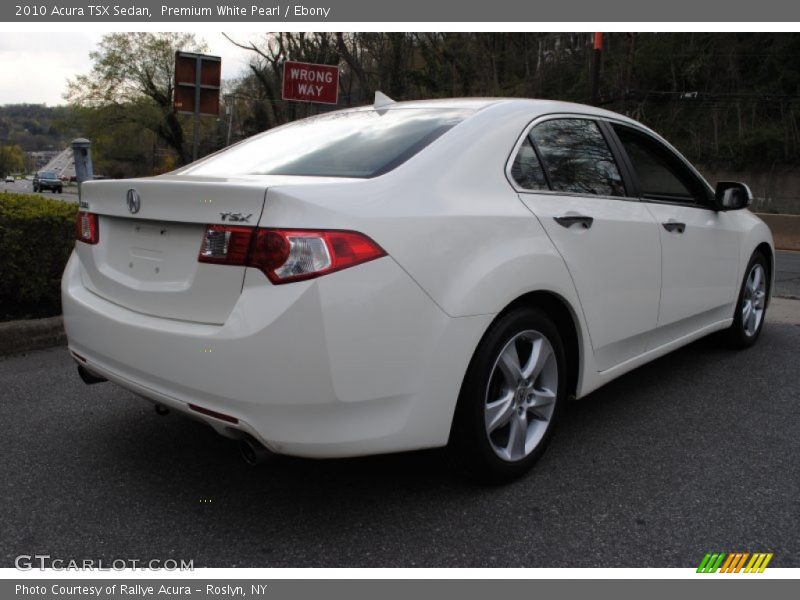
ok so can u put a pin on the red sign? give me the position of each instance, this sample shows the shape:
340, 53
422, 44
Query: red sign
310, 83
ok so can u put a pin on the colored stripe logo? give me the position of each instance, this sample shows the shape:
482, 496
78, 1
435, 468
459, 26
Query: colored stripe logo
737, 562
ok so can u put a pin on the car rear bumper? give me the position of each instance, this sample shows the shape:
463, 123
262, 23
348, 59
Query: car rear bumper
354, 363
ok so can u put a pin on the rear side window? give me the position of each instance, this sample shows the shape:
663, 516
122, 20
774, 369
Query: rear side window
363, 143
577, 158
527, 170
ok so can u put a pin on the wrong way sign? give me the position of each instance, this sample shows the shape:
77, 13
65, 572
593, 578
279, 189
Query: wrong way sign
307, 82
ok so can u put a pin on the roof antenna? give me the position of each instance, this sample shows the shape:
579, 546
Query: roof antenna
382, 101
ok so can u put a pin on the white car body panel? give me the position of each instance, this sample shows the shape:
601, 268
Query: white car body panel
623, 286
315, 391
371, 359
699, 269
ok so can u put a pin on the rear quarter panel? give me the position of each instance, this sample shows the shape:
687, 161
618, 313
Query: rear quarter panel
450, 219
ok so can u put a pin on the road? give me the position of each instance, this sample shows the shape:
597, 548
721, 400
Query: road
695, 452
787, 274
23, 186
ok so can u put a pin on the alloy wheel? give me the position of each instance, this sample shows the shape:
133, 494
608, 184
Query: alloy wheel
521, 395
754, 299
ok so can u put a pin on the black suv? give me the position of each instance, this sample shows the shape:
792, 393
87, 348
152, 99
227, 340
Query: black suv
47, 180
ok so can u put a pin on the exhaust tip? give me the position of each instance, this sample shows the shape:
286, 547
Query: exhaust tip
253, 453
161, 410
88, 377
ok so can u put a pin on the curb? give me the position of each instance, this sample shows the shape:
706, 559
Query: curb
17, 337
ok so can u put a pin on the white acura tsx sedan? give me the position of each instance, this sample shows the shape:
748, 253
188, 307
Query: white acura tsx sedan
410, 275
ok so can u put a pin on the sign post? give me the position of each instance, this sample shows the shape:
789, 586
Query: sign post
197, 85
307, 82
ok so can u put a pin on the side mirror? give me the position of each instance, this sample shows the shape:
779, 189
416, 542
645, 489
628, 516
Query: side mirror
732, 195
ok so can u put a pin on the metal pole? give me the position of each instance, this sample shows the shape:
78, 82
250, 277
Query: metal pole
230, 119
596, 56
197, 80
82, 152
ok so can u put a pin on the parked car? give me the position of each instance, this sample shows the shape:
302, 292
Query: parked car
411, 275
47, 180
10, 179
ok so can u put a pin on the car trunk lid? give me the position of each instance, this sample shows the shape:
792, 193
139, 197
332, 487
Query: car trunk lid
150, 234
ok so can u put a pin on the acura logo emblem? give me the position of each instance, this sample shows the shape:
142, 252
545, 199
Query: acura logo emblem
134, 201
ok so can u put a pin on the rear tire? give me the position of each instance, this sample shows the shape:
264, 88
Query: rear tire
751, 304
511, 397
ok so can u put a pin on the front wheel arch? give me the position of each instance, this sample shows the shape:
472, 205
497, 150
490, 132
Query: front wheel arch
766, 250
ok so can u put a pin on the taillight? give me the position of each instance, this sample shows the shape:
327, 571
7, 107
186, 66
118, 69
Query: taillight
226, 245
86, 229
286, 255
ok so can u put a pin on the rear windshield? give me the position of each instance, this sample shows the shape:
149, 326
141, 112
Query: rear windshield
364, 143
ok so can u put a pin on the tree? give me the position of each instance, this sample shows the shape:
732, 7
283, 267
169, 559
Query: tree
724, 99
133, 76
12, 160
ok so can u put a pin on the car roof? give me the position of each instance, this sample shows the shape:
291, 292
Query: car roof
536, 106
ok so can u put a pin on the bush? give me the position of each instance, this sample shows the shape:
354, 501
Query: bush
36, 239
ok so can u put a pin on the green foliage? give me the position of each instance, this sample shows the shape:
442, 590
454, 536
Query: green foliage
36, 239
36, 126
12, 160
724, 99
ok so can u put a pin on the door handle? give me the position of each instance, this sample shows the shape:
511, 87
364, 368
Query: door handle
674, 226
570, 220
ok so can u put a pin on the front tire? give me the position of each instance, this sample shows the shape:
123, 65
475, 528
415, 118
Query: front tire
511, 397
751, 305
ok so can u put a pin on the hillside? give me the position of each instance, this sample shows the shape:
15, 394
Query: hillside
36, 126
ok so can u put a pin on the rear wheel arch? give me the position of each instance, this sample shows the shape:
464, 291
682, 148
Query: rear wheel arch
563, 315
558, 309
534, 312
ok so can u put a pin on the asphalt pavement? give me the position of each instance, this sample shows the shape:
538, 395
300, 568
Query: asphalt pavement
695, 452
24, 186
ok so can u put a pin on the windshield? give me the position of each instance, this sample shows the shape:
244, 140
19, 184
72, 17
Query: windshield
364, 143
47, 175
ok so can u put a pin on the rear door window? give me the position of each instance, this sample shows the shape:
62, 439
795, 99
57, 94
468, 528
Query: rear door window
527, 170
577, 158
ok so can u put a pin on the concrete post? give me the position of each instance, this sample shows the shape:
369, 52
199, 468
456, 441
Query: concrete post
82, 150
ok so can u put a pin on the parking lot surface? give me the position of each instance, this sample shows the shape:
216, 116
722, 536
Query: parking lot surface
695, 452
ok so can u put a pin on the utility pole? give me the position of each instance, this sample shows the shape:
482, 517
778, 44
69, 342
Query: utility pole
597, 54
229, 101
